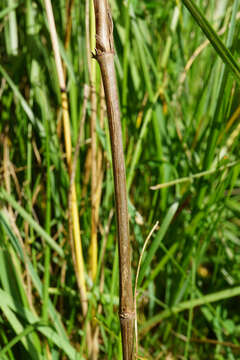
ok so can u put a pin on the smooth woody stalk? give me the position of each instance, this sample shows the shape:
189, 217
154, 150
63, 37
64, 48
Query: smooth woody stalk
105, 57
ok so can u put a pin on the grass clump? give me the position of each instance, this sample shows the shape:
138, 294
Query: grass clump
177, 68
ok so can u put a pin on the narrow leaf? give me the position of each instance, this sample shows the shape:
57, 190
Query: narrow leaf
212, 36
160, 235
31, 221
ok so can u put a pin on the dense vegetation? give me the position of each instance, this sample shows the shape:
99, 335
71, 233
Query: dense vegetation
179, 98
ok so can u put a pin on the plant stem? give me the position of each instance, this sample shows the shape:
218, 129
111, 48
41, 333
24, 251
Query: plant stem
194, 176
94, 172
47, 258
13, 43
201, 300
105, 57
80, 268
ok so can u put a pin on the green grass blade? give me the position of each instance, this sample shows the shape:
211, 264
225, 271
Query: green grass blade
4, 195
18, 327
7, 10
186, 305
34, 276
28, 330
23, 102
7, 302
13, 29
159, 237
214, 39
160, 265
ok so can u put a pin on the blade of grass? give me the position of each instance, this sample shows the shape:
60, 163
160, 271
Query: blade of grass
9, 199
23, 102
28, 330
213, 37
18, 329
35, 278
13, 29
47, 258
8, 303
68, 146
159, 237
139, 145
7, 10
207, 299
93, 251
194, 176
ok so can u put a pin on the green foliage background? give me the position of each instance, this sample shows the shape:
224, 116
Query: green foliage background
178, 121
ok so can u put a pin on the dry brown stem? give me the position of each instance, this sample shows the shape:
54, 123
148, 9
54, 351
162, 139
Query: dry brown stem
105, 57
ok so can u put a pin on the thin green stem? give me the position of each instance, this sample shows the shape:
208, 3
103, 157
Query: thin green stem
194, 176
190, 318
47, 263
186, 305
125, 70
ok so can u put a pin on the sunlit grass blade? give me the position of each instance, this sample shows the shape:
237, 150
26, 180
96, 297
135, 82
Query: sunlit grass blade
212, 36
23, 102
34, 276
159, 237
7, 302
221, 295
7, 10
31, 221
13, 29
